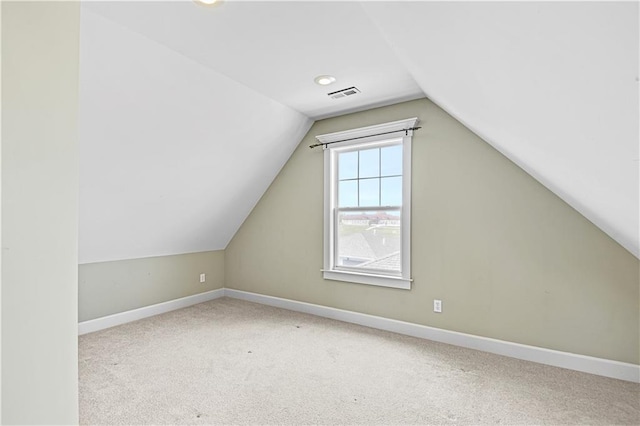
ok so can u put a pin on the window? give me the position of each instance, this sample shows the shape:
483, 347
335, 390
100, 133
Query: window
368, 205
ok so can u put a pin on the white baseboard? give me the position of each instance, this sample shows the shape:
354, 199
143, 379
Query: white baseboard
146, 311
587, 364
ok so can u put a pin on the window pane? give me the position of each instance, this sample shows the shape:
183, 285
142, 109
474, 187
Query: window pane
369, 163
391, 191
368, 240
348, 165
348, 193
369, 192
391, 160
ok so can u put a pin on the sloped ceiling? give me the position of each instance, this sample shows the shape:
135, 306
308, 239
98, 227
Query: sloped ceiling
552, 85
173, 155
187, 113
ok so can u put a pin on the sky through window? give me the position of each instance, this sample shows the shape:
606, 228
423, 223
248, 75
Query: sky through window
370, 177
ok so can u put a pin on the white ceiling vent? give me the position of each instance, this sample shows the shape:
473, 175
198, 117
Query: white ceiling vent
349, 91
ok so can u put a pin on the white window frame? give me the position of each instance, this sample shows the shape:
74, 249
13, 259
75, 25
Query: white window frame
367, 137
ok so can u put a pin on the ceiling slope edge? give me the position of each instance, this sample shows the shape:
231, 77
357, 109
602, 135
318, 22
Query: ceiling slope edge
620, 235
598, 221
189, 58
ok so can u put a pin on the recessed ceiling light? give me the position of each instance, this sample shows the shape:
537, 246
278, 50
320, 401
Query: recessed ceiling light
324, 80
207, 2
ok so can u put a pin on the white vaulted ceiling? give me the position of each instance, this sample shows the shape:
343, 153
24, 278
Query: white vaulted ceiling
553, 86
188, 113
173, 155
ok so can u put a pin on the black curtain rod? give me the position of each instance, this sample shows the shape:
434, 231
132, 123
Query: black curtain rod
406, 133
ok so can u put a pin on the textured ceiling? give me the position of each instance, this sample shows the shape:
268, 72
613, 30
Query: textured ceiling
187, 113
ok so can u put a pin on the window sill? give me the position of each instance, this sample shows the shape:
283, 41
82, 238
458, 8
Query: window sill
369, 279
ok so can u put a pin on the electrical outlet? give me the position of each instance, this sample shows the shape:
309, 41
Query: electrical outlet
203, 278
437, 305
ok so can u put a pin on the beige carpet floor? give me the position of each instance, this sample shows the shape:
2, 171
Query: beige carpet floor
233, 362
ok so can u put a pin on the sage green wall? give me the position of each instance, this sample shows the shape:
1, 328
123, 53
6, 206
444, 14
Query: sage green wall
39, 212
107, 288
508, 258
